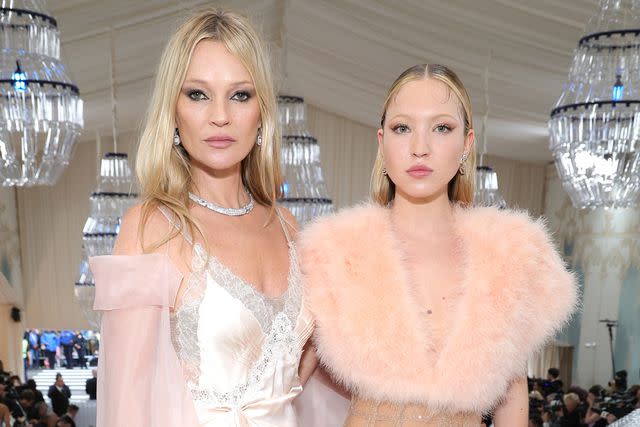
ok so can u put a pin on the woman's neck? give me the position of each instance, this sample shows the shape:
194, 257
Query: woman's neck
221, 187
421, 218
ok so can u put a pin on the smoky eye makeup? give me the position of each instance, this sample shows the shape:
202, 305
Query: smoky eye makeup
242, 95
195, 94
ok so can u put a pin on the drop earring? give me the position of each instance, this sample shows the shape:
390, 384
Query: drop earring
176, 138
259, 138
463, 161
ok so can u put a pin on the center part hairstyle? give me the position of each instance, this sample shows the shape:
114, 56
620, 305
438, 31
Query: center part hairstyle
163, 169
461, 188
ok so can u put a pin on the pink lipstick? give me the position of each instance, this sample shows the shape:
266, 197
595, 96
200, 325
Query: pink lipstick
219, 141
418, 171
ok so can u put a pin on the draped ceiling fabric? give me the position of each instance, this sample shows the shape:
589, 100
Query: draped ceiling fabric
342, 55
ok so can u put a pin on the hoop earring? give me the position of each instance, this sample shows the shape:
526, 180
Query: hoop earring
259, 138
176, 138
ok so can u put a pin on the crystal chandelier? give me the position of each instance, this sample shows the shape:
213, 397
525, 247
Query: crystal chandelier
595, 125
486, 191
112, 198
305, 191
40, 108
114, 195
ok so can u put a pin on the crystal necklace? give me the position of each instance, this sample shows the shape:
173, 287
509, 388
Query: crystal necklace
243, 210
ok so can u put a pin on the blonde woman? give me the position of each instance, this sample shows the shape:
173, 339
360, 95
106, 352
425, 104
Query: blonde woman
203, 321
425, 307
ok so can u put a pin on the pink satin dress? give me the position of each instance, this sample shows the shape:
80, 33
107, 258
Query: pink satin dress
233, 352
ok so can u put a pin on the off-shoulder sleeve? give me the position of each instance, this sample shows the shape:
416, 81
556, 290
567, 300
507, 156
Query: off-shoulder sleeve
139, 376
134, 281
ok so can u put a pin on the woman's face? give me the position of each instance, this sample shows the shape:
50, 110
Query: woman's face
423, 139
217, 113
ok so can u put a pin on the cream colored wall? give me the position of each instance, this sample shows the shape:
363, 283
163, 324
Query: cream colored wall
348, 150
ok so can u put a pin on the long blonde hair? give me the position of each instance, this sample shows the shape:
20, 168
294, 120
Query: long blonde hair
461, 187
164, 170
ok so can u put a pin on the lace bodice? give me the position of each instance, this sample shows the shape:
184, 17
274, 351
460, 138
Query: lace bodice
238, 348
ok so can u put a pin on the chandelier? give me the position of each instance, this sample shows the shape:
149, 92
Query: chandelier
40, 108
114, 195
304, 191
595, 125
486, 191
112, 198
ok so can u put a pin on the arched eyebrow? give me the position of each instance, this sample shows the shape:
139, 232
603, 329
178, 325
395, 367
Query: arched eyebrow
203, 82
433, 118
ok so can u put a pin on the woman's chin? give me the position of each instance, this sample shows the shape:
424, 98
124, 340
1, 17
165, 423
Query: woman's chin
422, 193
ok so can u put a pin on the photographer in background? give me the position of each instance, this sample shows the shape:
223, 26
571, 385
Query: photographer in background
571, 416
554, 383
618, 385
595, 395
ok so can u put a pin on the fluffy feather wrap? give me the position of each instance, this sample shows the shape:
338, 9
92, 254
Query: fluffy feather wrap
373, 335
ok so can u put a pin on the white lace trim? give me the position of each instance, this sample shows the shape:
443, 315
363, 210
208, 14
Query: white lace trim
276, 316
280, 341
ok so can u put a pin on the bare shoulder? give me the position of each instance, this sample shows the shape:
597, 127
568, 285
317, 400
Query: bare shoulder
129, 238
290, 220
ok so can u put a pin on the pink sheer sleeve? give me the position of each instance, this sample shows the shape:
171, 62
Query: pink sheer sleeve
139, 376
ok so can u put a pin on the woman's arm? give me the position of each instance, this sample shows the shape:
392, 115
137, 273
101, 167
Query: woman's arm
514, 411
308, 362
5, 414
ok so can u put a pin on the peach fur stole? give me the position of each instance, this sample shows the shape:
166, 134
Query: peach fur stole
373, 336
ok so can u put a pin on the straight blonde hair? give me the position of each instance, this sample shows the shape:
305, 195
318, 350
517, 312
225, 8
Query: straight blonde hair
461, 188
163, 169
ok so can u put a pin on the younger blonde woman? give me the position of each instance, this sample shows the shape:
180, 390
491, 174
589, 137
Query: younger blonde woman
426, 308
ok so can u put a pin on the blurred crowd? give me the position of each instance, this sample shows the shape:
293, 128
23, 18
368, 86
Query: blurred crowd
23, 405
50, 349
553, 405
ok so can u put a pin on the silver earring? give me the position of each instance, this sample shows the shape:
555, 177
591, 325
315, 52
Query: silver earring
463, 161
259, 138
176, 138
384, 171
